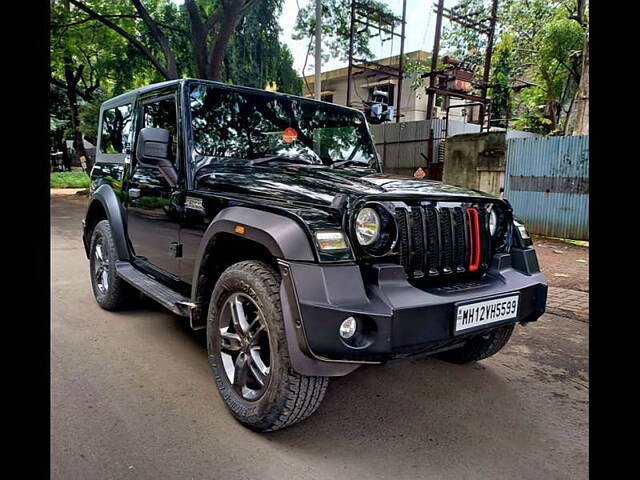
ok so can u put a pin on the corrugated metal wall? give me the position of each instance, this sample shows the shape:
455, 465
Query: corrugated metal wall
547, 183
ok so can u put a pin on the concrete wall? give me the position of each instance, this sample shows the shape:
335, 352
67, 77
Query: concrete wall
477, 161
403, 146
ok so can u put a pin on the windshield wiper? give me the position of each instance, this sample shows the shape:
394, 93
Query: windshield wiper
280, 158
346, 163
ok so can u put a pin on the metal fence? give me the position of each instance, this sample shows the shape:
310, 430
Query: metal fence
547, 183
406, 146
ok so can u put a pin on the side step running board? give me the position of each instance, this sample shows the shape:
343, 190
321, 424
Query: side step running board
165, 296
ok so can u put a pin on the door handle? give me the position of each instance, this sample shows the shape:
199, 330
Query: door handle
134, 193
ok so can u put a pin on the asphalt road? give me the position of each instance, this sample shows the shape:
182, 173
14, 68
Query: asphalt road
132, 397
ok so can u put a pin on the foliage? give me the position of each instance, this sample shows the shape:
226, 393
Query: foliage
69, 180
503, 64
89, 117
91, 60
255, 57
536, 66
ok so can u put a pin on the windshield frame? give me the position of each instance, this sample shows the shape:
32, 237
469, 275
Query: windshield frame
188, 123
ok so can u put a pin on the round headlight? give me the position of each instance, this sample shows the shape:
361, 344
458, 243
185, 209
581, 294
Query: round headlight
493, 222
367, 226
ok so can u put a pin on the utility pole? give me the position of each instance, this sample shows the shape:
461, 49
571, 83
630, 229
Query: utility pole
401, 60
487, 60
434, 58
351, 34
375, 21
317, 84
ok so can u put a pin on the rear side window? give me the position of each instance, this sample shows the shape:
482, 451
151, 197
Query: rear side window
116, 128
162, 114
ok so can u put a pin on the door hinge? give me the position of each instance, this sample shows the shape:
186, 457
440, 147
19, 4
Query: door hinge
176, 249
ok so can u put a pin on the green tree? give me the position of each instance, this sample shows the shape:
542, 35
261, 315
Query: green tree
501, 91
255, 57
211, 26
545, 40
95, 56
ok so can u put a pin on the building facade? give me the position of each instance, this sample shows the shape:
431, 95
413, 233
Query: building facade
413, 101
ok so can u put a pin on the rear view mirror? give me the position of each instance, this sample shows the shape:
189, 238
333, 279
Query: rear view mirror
154, 147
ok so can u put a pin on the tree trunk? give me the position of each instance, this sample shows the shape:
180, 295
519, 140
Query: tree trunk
198, 38
172, 66
582, 116
232, 16
72, 79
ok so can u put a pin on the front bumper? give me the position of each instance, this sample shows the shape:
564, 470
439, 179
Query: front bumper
400, 319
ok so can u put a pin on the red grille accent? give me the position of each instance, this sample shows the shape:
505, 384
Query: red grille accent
474, 237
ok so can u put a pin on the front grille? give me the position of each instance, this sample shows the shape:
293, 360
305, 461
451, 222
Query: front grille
436, 241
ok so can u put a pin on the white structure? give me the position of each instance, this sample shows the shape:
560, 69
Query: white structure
413, 102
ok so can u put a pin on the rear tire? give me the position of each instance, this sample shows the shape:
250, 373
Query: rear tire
480, 347
244, 321
110, 291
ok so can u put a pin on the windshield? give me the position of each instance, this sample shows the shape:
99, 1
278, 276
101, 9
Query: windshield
243, 125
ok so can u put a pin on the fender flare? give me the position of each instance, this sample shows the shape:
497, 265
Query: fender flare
282, 236
285, 239
115, 214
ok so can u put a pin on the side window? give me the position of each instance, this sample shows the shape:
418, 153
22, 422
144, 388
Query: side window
116, 128
162, 114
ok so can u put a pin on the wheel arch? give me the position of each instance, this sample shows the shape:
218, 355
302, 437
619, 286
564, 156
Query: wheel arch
264, 236
105, 205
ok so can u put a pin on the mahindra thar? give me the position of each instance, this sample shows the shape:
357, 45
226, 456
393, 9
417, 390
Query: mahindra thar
266, 219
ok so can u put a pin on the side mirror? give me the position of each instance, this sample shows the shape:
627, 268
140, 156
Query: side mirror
154, 147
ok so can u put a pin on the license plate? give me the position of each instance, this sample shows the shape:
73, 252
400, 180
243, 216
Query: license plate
476, 314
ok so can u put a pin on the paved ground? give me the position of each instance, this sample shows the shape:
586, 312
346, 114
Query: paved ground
565, 265
132, 398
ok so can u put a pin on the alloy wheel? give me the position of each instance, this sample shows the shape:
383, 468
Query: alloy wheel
244, 346
101, 267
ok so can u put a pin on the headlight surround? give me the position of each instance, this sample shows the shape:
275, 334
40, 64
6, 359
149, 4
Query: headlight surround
525, 238
374, 229
493, 222
367, 226
498, 223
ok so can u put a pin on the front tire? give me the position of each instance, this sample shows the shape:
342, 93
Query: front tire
110, 291
480, 347
248, 351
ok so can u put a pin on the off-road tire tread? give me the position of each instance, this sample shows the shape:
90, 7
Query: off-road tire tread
301, 395
120, 294
478, 348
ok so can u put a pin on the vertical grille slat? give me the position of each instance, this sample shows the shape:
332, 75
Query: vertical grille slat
403, 237
436, 240
458, 227
433, 250
417, 241
446, 242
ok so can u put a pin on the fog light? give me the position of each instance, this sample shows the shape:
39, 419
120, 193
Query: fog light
348, 328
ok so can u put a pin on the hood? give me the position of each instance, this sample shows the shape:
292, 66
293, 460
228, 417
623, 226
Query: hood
320, 185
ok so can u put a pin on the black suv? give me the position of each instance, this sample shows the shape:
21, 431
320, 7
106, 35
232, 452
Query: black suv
266, 219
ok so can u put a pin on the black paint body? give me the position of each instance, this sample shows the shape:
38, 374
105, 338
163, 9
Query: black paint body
169, 230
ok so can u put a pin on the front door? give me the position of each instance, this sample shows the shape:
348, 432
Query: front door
152, 207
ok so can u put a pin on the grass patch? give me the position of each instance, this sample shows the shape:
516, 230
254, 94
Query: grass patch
579, 243
69, 180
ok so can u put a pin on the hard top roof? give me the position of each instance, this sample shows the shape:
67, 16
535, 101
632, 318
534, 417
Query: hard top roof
129, 96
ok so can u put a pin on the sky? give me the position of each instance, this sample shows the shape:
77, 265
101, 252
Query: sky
419, 32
